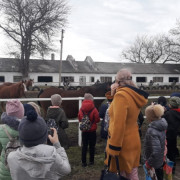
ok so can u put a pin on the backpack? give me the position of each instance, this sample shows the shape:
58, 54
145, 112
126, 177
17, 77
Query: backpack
11, 146
85, 123
51, 123
106, 120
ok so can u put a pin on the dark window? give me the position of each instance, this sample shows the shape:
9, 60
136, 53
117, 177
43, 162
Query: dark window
67, 79
91, 79
141, 79
1, 78
17, 78
45, 79
157, 79
173, 79
105, 79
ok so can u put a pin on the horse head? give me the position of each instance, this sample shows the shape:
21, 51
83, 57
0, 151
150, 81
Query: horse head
29, 83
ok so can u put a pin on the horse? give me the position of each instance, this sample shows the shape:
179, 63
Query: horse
71, 107
28, 83
12, 90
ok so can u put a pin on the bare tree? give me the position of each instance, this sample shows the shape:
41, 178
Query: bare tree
146, 49
31, 24
174, 43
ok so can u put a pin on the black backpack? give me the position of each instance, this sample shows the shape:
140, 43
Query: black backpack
86, 123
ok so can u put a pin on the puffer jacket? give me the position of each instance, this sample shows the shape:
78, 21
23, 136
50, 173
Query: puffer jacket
11, 124
88, 105
154, 144
39, 162
59, 116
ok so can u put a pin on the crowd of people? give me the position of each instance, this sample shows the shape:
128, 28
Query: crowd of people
42, 151
35, 158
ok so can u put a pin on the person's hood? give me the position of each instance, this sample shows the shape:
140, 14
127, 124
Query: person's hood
160, 124
37, 160
11, 121
139, 96
53, 112
87, 105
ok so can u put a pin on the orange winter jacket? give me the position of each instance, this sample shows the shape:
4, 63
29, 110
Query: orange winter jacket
123, 134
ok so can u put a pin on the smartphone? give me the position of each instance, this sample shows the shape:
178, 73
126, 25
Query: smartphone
51, 132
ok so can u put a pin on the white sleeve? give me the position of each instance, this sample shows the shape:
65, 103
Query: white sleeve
62, 165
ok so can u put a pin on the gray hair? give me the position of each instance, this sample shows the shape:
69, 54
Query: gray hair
56, 100
88, 96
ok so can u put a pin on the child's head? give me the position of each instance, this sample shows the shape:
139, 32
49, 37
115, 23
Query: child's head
15, 108
154, 112
88, 96
27, 108
56, 100
36, 107
108, 96
174, 102
162, 101
32, 129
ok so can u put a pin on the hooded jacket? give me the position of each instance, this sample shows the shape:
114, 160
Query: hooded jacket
88, 105
61, 120
11, 124
123, 134
172, 117
154, 143
39, 162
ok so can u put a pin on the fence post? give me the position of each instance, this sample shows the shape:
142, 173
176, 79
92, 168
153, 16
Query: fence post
79, 131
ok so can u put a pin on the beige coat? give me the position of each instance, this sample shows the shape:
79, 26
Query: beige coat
124, 140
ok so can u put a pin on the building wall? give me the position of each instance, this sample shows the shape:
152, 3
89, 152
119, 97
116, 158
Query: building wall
9, 77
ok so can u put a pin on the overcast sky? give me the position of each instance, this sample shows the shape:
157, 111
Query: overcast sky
103, 28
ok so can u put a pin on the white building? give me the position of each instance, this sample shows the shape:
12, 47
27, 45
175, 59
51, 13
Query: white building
87, 72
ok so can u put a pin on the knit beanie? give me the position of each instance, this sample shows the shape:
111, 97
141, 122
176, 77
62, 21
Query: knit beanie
36, 107
56, 100
88, 96
28, 107
32, 130
154, 112
162, 101
174, 102
15, 108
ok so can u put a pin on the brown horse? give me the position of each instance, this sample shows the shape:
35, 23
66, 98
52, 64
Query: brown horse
13, 90
71, 106
28, 83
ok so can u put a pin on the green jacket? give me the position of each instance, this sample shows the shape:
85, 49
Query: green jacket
4, 171
59, 116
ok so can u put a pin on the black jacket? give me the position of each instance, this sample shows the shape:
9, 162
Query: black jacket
172, 117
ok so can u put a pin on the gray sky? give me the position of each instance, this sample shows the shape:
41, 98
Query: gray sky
103, 28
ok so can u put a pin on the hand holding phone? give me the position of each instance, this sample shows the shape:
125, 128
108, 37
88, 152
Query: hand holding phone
53, 137
50, 131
